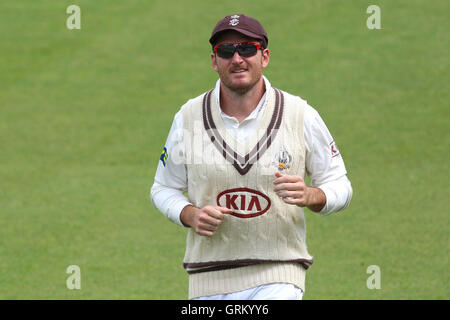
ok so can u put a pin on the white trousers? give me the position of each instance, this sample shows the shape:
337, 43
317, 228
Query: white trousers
272, 291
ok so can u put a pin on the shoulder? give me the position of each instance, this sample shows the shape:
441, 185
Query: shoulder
312, 121
291, 100
194, 103
190, 110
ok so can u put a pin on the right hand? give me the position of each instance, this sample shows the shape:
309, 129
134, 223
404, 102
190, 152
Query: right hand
204, 221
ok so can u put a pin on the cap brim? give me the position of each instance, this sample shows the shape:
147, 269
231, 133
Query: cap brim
242, 31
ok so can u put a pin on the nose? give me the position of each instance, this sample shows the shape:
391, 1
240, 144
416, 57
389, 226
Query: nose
236, 59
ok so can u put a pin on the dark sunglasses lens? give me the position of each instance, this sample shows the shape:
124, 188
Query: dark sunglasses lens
247, 50
226, 51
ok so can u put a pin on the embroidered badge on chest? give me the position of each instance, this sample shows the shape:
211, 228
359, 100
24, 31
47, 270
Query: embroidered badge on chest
282, 160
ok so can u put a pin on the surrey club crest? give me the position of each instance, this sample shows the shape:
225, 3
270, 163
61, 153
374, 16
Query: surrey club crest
282, 160
234, 20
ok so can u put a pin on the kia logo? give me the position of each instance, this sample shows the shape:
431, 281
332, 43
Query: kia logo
245, 202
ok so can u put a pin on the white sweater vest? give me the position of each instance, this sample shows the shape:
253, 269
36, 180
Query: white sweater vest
263, 240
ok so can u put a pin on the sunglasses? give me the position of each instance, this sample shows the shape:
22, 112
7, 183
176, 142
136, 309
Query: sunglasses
245, 49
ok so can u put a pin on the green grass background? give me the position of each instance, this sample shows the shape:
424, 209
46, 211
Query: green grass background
85, 113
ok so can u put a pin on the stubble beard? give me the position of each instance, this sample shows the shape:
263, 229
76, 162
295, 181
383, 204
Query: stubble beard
239, 89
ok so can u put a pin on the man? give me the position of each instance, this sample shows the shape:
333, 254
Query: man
241, 152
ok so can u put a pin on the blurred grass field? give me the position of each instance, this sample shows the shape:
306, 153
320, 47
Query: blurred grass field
85, 113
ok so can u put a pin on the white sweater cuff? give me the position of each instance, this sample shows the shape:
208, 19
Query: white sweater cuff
169, 201
175, 209
338, 194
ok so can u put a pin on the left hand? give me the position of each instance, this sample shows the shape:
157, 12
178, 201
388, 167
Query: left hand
293, 190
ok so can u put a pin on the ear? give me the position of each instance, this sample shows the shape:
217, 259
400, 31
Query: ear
214, 62
265, 57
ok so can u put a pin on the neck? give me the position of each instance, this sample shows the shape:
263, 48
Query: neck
241, 104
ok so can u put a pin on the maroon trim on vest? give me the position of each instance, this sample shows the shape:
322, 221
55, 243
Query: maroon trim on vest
199, 267
243, 163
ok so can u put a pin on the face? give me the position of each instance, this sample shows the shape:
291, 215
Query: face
239, 74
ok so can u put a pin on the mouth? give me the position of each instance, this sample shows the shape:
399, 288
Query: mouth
239, 71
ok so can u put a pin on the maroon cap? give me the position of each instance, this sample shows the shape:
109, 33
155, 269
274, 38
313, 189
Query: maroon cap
243, 24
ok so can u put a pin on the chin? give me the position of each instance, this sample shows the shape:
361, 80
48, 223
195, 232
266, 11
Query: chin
240, 86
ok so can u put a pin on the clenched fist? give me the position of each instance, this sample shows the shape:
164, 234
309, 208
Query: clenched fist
293, 190
204, 221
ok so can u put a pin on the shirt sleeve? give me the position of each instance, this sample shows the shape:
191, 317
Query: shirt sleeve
167, 191
324, 163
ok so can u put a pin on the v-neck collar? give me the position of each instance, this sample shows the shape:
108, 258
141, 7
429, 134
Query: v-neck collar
230, 148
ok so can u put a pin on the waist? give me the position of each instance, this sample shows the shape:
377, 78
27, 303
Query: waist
240, 278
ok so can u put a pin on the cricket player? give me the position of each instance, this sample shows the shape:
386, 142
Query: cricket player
240, 152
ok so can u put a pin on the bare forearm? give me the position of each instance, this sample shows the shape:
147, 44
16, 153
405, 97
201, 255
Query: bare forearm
187, 215
316, 199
